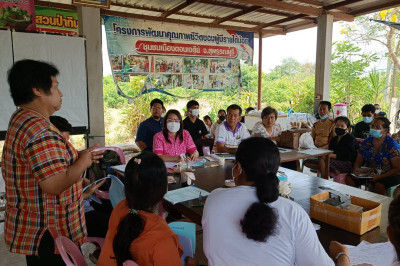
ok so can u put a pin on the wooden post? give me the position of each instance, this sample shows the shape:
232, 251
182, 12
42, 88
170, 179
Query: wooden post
259, 69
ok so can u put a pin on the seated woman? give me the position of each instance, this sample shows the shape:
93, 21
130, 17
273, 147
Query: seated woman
135, 231
344, 147
250, 224
267, 127
173, 140
380, 152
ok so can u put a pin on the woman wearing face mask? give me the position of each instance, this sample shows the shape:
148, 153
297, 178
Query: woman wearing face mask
380, 152
250, 224
173, 140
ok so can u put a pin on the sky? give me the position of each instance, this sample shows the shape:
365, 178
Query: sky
301, 45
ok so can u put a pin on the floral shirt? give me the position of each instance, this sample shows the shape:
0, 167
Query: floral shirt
260, 129
175, 147
381, 160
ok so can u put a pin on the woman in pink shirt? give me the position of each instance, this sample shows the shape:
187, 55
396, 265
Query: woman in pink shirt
173, 140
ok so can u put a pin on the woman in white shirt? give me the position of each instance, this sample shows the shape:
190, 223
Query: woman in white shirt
267, 127
250, 224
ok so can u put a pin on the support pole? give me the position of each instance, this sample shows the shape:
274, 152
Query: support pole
259, 69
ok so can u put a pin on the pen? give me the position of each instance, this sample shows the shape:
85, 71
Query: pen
200, 199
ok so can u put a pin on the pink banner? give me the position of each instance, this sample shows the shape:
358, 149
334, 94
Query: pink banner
18, 15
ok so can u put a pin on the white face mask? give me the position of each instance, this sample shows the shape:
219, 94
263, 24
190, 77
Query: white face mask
195, 112
163, 115
377, 111
173, 126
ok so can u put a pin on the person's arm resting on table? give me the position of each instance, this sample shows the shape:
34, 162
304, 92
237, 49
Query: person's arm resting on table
221, 148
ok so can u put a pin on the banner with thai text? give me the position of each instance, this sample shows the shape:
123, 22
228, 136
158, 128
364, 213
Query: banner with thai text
174, 55
17, 14
56, 21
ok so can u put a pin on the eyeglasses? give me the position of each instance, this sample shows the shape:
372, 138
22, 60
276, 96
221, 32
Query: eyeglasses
173, 120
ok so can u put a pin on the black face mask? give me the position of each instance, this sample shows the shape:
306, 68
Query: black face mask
340, 131
221, 117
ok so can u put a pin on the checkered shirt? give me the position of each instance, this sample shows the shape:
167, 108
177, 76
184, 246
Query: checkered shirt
34, 150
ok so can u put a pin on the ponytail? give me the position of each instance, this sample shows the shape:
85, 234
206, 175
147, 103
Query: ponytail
128, 230
259, 221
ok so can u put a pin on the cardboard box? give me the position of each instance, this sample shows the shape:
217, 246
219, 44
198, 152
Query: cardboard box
289, 139
354, 222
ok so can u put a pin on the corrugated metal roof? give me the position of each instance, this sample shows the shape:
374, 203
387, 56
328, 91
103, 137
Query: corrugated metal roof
288, 15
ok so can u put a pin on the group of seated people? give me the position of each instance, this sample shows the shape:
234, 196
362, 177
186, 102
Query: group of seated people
246, 225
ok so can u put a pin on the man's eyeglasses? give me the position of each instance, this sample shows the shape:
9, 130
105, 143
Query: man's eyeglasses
173, 120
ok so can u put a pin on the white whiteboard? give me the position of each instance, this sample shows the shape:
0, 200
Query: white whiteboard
68, 55
7, 106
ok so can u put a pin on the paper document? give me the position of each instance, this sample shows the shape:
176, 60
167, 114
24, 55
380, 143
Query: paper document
170, 164
379, 254
313, 151
184, 194
120, 168
283, 150
316, 226
361, 177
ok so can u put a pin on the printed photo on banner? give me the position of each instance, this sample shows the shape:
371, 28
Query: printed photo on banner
135, 64
193, 81
116, 63
165, 64
195, 65
168, 81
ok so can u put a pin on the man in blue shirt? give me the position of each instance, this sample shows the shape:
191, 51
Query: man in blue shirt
148, 128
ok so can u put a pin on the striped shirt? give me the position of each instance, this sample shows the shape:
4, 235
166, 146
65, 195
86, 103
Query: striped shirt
34, 150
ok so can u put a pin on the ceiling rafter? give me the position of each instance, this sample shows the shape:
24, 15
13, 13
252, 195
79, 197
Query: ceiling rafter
237, 14
177, 8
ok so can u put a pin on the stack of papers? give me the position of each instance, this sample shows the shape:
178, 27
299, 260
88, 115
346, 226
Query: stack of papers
379, 254
313, 151
184, 194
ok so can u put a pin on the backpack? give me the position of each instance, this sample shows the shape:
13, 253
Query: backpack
103, 168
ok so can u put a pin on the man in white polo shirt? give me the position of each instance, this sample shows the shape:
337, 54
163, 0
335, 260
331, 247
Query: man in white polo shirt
231, 132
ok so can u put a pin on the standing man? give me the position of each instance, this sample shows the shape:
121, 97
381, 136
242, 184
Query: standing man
192, 123
231, 132
41, 169
221, 118
151, 126
361, 130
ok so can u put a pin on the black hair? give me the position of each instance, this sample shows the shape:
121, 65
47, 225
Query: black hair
154, 101
385, 122
234, 107
394, 224
145, 186
344, 119
248, 109
221, 110
269, 110
207, 117
368, 108
27, 74
259, 158
165, 129
191, 103
328, 103
61, 123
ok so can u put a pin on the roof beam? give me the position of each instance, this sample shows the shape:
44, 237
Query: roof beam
137, 7
277, 22
177, 8
370, 9
321, 4
216, 3
237, 14
340, 4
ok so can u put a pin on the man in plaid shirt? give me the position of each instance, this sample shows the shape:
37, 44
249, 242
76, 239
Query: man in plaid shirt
41, 169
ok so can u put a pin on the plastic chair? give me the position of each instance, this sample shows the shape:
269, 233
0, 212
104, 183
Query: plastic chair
116, 192
340, 178
187, 230
130, 263
69, 250
116, 149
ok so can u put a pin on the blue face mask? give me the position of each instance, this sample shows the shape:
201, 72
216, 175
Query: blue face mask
324, 117
367, 119
375, 133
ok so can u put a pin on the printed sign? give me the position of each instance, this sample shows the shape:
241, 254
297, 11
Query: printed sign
56, 21
18, 15
172, 55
